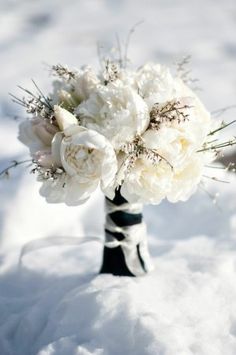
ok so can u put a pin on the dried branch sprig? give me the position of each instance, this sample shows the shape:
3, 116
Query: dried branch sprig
63, 72
181, 66
183, 71
230, 167
36, 104
15, 163
47, 173
127, 42
111, 72
137, 149
222, 126
216, 147
214, 178
168, 112
221, 111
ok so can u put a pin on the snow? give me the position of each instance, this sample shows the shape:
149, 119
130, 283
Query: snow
54, 302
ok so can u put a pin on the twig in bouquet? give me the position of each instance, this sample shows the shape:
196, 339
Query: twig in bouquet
18, 101
46, 99
136, 150
39, 97
221, 111
36, 104
99, 54
63, 72
127, 42
181, 66
184, 72
111, 72
158, 157
120, 60
47, 173
212, 141
216, 147
107, 60
27, 91
215, 179
15, 163
229, 167
170, 111
222, 126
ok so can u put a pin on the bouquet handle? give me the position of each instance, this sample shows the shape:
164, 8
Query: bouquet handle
125, 251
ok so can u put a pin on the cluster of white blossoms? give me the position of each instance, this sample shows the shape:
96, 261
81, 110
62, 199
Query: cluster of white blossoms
141, 131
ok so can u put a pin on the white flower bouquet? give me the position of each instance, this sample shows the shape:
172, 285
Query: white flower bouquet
141, 135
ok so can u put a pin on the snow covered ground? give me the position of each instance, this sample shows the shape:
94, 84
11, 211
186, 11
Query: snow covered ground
54, 303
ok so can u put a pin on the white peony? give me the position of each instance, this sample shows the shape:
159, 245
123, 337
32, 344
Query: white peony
155, 84
186, 179
146, 109
87, 158
85, 82
147, 183
116, 111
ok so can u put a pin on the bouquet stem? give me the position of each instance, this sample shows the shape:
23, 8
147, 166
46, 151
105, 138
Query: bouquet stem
125, 250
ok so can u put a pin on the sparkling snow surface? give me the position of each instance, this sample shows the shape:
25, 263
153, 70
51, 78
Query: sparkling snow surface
54, 303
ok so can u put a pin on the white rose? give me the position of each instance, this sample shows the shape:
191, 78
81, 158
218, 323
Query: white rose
87, 158
88, 155
117, 112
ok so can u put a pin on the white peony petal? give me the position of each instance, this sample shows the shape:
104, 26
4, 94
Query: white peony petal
56, 148
64, 118
115, 111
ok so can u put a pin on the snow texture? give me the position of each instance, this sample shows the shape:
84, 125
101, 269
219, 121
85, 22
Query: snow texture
54, 302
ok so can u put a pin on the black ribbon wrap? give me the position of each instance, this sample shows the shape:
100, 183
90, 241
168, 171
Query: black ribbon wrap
125, 250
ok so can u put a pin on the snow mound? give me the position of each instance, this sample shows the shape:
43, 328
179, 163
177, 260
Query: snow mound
186, 306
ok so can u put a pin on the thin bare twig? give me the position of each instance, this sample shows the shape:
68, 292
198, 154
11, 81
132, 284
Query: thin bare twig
127, 42
220, 111
13, 165
215, 179
223, 125
119, 48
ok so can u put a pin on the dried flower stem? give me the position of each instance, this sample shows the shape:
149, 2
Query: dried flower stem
215, 179
111, 72
36, 104
170, 111
63, 72
127, 42
13, 165
218, 146
223, 125
222, 110
136, 150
